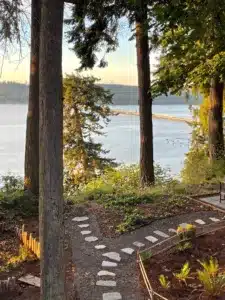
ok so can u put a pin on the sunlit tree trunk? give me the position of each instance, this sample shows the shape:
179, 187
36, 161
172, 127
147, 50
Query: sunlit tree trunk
31, 179
216, 138
145, 99
51, 152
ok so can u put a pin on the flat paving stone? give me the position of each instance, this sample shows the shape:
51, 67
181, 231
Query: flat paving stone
138, 244
152, 239
160, 233
85, 232
128, 250
31, 280
84, 225
172, 230
100, 247
91, 239
80, 219
111, 296
109, 264
199, 221
106, 273
214, 219
106, 283
112, 255
183, 225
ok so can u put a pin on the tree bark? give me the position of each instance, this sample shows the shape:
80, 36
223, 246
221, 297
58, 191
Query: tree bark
31, 179
216, 139
51, 202
145, 98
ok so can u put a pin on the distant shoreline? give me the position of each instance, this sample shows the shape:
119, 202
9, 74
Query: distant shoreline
156, 116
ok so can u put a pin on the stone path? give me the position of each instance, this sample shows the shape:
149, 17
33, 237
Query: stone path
106, 268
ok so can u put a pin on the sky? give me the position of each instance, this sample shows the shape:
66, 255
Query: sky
121, 69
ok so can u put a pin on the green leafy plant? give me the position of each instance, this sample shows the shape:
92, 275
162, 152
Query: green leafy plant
211, 266
146, 255
184, 246
211, 278
183, 275
165, 283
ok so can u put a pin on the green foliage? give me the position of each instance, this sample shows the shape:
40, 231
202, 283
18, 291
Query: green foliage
86, 110
164, 282
14, 200
132, 220
183, 275
12, 262
211, 278
146, 255
183, 246
211, 266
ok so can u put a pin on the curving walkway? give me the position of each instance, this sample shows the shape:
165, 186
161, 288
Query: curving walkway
106, 268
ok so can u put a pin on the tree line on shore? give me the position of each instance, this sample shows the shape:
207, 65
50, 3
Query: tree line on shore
190, 37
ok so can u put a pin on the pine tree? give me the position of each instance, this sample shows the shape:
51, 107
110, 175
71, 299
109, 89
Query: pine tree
86, 110
102, 32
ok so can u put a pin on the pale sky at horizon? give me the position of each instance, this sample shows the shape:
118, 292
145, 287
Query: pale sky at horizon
121, 69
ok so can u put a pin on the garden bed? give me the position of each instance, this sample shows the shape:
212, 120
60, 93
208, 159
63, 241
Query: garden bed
117, 219
171, 261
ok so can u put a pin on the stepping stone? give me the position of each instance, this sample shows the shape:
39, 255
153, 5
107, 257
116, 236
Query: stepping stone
172, 230
106, 283
106, 263
199, 221
91, 239
127, 250
215, 219
111, 296
85, 232
106, 273
152, 239
138, 244
84, 225
162, 234
112, 255
31, 280
100, 247
80, 219
183, 225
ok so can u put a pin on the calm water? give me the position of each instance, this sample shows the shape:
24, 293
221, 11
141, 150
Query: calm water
171, 139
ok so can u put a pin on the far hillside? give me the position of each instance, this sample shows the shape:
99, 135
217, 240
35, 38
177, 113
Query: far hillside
17, 93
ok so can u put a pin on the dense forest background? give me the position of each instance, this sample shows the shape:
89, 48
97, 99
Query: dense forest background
15, 93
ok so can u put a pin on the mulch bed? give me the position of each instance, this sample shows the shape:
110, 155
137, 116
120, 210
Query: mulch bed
109, 218
172, 261
9, 245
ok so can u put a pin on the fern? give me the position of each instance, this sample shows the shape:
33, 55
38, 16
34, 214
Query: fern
211, 267
212, 281
164, 282
184, 273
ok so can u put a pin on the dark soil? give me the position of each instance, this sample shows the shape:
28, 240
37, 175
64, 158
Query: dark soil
172, 261
9, 246
109, 218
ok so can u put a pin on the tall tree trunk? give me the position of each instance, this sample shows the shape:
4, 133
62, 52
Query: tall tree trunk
51, 152
145, 99
31, 179
216, 138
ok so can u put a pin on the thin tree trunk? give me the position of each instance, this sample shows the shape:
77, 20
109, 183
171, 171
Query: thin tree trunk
216, 138
145, 99
51, 152
31, 179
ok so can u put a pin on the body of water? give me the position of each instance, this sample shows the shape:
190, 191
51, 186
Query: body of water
171, 139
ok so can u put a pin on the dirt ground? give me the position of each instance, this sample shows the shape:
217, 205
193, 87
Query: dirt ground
209, 245
9, 247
